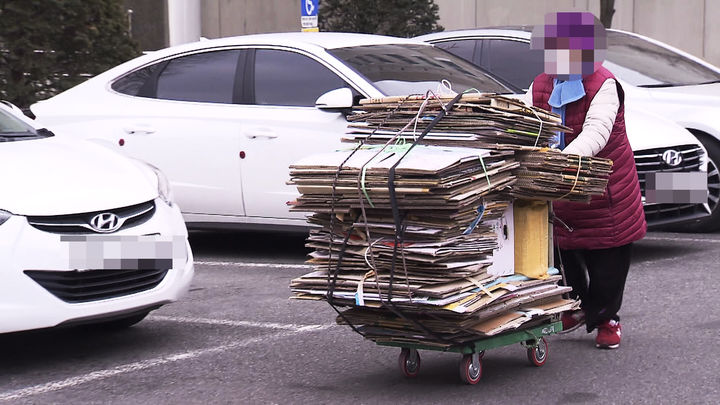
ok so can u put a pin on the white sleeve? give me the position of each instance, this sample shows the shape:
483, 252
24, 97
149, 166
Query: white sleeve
598, 123
527, 98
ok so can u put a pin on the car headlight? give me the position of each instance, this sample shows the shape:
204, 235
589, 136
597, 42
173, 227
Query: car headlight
164, 189
4, 216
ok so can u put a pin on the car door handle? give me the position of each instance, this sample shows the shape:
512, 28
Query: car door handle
139, 130
260, 134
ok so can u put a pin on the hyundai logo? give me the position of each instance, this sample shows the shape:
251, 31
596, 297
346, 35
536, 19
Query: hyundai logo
672, 157
105, 223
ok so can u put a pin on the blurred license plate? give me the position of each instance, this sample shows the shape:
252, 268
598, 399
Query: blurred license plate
112, 252
676, 188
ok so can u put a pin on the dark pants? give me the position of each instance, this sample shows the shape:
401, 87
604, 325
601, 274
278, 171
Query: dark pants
598, 278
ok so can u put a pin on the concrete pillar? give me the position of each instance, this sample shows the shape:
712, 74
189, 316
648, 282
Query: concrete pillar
184, 21
711, 38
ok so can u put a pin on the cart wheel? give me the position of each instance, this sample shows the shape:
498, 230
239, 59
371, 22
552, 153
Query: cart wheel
538, 354
471, 368
409, 362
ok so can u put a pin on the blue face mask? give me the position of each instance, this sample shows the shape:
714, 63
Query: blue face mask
564, 93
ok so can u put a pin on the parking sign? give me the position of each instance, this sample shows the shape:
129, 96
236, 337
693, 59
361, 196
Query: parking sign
309, 15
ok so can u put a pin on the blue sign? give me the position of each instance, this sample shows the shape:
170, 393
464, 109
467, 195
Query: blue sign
309, 8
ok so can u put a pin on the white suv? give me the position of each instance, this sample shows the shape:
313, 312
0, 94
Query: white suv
86, 235
656, 78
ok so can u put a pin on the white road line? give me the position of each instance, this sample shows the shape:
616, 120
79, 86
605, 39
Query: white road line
227, 322
268, 265
681, 239
144, 365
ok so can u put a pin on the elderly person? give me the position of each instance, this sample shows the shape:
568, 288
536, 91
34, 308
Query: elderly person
594, 239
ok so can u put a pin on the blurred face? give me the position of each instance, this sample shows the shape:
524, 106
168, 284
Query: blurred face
574, 44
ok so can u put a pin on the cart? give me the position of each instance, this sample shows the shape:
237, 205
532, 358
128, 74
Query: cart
532, 338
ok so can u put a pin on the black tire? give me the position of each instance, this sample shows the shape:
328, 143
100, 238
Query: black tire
469, 374
711, 223
121, 323
538, 355
409, 362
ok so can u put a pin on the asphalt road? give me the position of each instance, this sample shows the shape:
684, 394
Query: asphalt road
237, 338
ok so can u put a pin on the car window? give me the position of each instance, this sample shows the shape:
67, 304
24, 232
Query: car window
291, 79
204, 77
464, 48
401, 69
511, 60
643, 63
14, 129
135, 83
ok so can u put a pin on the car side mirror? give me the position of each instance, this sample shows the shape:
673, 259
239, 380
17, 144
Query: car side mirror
338, 99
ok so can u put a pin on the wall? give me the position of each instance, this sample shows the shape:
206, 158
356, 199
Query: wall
224, 18
690, 25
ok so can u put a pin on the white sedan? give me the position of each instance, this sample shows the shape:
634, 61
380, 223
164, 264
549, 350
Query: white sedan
225, 118
86, 235
656, 77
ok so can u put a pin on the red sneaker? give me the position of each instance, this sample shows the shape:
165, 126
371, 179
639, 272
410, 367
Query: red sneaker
609, 333
572, 320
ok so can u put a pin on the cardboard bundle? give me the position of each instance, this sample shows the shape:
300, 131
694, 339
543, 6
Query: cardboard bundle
548, 174
428, 282
439, 191
428, 178
476, 120
431, 265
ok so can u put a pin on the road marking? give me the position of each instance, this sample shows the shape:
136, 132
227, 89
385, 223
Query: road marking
146, 364
227, 322
681, 239
268, 265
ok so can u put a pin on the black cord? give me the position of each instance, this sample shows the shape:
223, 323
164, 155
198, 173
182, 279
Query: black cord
398, 220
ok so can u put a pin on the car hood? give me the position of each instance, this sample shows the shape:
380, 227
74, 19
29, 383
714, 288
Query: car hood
693, 107
647, 130
52, 176
703, 93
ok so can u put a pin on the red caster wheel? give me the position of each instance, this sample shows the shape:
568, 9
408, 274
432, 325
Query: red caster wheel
538, 354
471, 368
409, 362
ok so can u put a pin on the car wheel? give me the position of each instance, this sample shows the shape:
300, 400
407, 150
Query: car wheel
711, 223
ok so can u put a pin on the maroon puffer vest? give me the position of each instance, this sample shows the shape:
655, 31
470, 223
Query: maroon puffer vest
617, 217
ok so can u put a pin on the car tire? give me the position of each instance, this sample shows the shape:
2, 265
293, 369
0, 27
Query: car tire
711, 223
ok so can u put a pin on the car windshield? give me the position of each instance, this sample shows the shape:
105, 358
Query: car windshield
13, 129
644, 64
401, 69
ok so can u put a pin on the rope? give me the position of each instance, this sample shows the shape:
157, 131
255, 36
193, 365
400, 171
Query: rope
537, 137
476, 221
577, 176
332, 278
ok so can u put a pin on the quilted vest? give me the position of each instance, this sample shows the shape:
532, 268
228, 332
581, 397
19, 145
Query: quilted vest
616, 218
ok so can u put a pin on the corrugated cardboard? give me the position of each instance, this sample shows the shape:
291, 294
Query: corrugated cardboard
531, 238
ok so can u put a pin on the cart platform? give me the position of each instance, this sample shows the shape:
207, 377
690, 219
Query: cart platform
532, 338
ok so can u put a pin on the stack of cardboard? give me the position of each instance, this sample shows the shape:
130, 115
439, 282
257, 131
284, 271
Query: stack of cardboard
439, 191
476, 120
441, 277
428, 178
433, 285
550, 175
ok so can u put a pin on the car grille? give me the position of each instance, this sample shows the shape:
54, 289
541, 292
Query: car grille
80, 223
651, 161
83, 286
